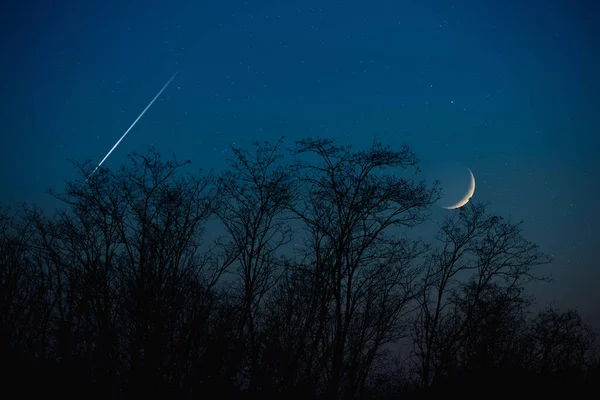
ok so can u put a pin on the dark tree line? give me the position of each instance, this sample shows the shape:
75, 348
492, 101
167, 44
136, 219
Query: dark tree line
298, 278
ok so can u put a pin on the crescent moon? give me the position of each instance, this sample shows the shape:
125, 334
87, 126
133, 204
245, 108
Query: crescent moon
467, 196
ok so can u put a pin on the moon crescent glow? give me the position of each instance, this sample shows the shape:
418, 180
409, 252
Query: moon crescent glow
467, 196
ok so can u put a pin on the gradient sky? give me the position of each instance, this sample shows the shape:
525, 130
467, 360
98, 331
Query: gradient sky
508, 88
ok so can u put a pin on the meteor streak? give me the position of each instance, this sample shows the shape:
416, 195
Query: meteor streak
132, 125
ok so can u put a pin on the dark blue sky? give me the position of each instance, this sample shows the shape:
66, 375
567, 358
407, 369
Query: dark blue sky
508, 88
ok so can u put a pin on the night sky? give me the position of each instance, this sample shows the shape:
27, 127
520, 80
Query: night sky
508, 89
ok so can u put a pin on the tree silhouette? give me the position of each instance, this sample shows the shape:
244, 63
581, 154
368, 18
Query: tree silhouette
559, 342
478, 250
362, 272
309, 285
123, 257
24, 288
253, 197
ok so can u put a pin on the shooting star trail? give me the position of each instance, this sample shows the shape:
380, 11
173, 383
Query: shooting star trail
132, 125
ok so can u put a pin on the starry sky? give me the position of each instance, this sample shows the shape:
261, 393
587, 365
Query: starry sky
508, 89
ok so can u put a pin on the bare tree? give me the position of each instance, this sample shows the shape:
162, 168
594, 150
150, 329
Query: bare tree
477, 249
254, 195
124, 254
560, 342
24, 286
492, 328
361, 272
